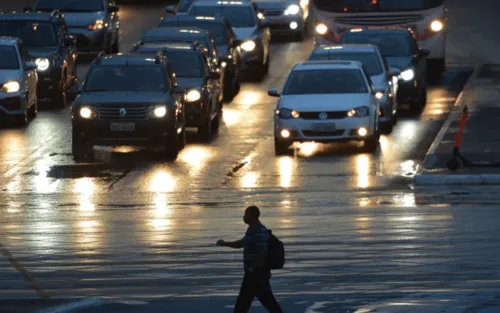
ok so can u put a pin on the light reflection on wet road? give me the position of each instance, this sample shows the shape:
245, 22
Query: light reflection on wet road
140, 227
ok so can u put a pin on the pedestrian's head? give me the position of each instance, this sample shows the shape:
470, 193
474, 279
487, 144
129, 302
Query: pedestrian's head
252, 214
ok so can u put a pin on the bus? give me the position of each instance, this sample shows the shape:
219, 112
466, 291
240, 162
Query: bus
427, 19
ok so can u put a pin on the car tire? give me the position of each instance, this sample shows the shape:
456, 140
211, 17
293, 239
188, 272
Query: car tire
228, 91
371, 144
61, 99
205, 130
115, 46
182, 139
172, 146
300, 35
281, 147
387, 127
33, 111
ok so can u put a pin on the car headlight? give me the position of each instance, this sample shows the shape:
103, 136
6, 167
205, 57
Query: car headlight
11, 86
287, 114
99, 24
293, 9
42, 64
408, 74
363, 111
87, 112
248, 45
321, 28
193, 95
437, 26
158, 111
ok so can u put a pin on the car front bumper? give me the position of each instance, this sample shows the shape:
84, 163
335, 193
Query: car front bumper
48, 83
89, 41
408, 92
252, 60
14, 103
341, 130
283, 24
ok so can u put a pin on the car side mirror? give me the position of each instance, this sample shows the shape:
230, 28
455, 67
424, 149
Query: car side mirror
74, 90
273, 93
423, 53
69, 41
264, 24
170, 9
28, 66
113, 9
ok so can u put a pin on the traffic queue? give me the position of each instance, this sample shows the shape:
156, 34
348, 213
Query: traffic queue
180, 73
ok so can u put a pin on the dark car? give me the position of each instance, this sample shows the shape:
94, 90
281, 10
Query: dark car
49, 45
400, 48
95, 23
201, 85
129, 99
250, 28
226, 42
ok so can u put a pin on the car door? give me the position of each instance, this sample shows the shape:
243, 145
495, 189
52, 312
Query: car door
70, 53
30, 76
419, 62
375, 101
178, 98
265, 33
213, 85
232, 40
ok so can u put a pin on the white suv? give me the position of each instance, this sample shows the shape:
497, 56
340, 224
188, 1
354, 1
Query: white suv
326, 101
18, 82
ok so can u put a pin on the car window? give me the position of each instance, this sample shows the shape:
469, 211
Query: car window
369, 59
368, 78
390, 45
24, 53
238, 16
32, 33
206, 65
185, 64
126, 78
321, 81
70, 5
9, 59
184, 5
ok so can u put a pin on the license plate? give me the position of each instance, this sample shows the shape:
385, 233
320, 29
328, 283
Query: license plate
323, 127
122, 127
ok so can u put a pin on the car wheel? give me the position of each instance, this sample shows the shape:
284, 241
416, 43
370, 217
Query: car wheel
61, 99
115, 47
371, 144
301, 34
33, 111
281, 147
182, 139
228, 92
172, 147
205, 130
387, 127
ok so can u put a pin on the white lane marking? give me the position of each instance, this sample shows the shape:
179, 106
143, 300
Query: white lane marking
74, 305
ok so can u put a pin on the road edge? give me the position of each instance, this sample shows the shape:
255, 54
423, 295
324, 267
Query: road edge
78, 304
431, 158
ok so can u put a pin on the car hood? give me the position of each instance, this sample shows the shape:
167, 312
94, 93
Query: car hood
324, 102
401, 63
243, 33
380, 81
38, 52
82, 19
7, 75
268, 5
189, 82
120, 98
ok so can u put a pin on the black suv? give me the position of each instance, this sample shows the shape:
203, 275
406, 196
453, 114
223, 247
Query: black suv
190, 63
129, 99
48, 44
225, 40
400, 49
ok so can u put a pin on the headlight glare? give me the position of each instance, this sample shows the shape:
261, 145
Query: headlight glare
248, 45
408, 74
437, 26
99, 24
379, 95
321, 28
87, 112
42, 64
363, 111
160, 111
293, 9
11, 86
193, 95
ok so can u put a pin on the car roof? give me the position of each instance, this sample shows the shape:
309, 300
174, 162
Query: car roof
380, 30
126, 59
33, 16
211, 3
327, 65
8, 41
191, 18
174, 33
184, 47
345, 48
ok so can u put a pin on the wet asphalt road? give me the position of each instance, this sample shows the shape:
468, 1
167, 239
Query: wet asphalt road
140, 228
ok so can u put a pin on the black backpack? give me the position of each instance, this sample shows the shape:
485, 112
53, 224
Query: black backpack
275, 252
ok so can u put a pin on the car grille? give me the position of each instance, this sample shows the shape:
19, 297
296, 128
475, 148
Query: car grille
137, 113
377, 20
11, 104
310, 133
336, 115
273, 12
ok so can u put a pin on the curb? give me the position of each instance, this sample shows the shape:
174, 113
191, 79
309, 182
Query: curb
79, 304
458, 179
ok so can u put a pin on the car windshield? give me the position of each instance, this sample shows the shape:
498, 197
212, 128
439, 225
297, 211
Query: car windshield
8, 58
321, 81
238, 16
183, 64
204, 41
390, 45
126, 78
70, 5
217, 30
184, 5
370, 60
375, 6
32, 33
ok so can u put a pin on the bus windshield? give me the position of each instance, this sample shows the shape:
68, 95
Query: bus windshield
376, 6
